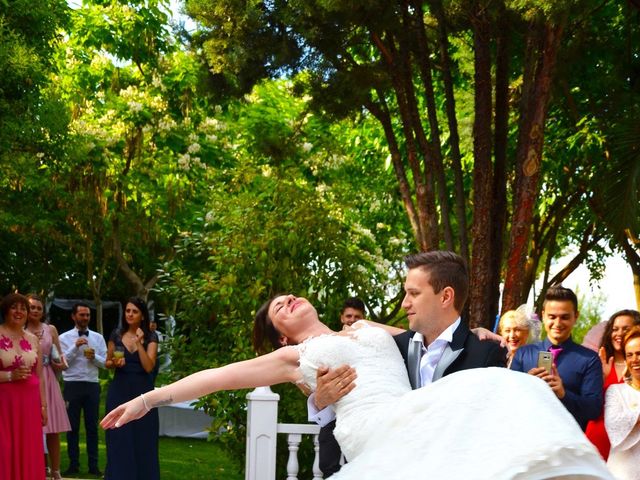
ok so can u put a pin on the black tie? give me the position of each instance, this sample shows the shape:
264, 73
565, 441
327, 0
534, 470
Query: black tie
85, 333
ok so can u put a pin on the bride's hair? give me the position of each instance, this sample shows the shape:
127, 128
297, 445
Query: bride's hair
264, 333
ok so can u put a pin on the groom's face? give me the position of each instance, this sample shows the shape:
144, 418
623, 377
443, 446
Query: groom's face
421, 303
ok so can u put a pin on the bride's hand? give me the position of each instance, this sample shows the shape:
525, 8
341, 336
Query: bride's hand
123, 414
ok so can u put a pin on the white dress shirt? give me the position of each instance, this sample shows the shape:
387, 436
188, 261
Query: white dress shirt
431, 355
81, 369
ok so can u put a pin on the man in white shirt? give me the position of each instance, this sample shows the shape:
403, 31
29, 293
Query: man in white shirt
86, 352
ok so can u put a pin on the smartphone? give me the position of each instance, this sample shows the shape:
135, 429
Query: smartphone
545, 359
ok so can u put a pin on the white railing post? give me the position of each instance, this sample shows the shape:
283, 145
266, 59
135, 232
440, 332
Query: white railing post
317, 473
262, 433
293, 467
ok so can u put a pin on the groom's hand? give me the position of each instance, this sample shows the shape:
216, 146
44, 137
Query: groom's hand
484, 334
332, 385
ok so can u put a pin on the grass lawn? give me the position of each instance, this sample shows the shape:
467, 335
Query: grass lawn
180, 458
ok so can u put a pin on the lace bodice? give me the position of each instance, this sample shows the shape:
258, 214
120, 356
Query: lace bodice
371, 351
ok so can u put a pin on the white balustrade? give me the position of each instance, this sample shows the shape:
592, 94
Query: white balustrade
262, 431
295, 432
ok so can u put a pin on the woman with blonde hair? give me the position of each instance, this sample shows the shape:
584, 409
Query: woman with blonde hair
518, 327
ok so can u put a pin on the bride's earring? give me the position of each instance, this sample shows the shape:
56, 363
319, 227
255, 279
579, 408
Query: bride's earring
283, 341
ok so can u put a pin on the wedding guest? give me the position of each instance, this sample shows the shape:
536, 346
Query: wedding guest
622, 414
51, 363
576, 376
613, 366
85, 351
352, 311
132, 451
23, 404
518, 328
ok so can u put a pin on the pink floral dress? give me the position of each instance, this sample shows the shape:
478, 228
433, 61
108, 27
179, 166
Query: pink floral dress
56, 410
21, 445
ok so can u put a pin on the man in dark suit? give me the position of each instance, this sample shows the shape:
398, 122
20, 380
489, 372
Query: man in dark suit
438, 342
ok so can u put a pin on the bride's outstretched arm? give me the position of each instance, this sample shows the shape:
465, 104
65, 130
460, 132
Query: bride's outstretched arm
276, 367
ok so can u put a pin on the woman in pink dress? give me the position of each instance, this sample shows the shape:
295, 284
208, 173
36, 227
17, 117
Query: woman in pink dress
23, 407
613, 366
51, 363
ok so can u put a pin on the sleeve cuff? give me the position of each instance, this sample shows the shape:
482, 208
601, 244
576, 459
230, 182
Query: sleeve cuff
321, 417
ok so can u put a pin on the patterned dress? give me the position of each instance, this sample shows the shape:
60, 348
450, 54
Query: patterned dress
21, 446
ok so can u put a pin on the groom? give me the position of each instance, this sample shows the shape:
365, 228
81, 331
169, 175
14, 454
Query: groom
438, 342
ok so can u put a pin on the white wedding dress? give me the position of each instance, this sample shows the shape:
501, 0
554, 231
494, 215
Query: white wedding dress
488, 423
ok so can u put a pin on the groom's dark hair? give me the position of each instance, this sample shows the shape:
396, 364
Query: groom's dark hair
445, 269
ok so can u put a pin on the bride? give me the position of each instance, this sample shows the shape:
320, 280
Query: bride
484, 423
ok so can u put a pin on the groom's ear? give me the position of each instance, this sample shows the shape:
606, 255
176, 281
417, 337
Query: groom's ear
448, 296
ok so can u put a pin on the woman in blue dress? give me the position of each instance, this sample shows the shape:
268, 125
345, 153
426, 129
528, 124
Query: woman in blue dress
132, 452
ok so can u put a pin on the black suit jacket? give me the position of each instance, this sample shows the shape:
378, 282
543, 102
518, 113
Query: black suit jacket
468, 352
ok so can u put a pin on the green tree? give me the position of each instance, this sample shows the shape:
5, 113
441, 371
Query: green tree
417, 67
283, 215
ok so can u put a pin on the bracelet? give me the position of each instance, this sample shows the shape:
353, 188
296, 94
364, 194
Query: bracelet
10, 376
145, 403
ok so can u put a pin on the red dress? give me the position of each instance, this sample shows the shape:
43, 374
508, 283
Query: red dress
595, 428
21, 445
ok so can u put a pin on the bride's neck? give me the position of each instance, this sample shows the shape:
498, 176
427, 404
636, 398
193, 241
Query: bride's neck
316, 332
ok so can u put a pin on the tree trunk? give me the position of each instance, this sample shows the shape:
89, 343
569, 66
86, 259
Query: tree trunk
432, 149
528, 158
382, 114
481, 248
99, 315
141, 288
501, 134
454, 137
399, 71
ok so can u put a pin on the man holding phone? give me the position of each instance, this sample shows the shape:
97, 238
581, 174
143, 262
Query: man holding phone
575, 373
